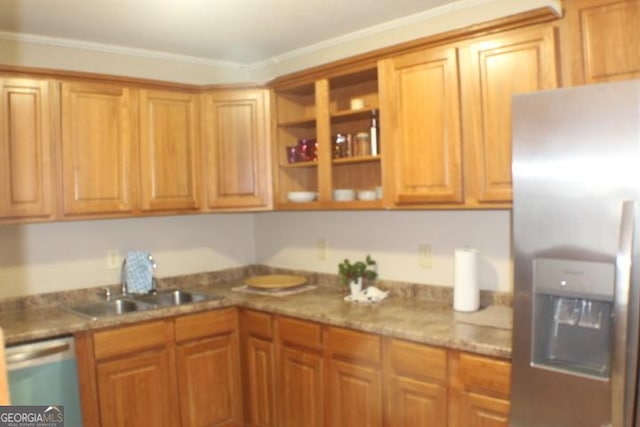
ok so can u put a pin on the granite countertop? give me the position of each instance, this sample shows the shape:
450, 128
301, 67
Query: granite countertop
486, 332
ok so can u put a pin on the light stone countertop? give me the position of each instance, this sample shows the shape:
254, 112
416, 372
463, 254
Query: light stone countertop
486, 332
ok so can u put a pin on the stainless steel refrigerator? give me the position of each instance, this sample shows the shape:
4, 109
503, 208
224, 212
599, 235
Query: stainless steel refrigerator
576, 242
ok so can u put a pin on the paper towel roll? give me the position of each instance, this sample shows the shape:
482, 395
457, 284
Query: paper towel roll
466, 290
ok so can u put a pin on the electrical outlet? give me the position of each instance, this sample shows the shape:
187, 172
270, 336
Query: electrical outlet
113, 259
321, 249
424, 256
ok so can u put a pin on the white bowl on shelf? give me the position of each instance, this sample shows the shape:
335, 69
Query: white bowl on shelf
366, 195
344, 194
301, 196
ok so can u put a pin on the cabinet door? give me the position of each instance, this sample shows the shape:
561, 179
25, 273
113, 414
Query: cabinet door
25, 149
209, 382
138, 391
493, 69
479, 390
603, 43
473, 410
260, 377
420, 119
97, 149
168, 151
355, 395
236, 142
302, 388
416, 384
414, 403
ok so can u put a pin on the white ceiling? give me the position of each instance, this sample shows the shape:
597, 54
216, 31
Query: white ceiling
238, 31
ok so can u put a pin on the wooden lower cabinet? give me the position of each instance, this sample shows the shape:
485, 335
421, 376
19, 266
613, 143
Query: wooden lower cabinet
479, 390
302, 373
173, 372
301, 388
208, 381
416, 384
260, 369
354, 378
138, 390
186, 371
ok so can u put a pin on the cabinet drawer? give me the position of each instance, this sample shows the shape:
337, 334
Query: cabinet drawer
417, 360
484, 373
130, 339
200, 325
258, 324
354, 345
300, 332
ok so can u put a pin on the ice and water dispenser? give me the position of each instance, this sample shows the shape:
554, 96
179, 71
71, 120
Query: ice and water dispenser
572, 321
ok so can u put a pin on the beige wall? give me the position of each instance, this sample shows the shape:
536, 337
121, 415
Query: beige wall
288, 239
48, 257
40, 258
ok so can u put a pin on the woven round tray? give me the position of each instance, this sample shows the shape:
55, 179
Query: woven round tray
275, 281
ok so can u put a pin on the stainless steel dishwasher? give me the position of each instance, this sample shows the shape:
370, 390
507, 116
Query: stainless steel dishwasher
45, 373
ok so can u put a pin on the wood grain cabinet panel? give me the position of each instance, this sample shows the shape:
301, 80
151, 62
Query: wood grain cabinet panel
149, 374
420, 122
602, 40
479, 388
355, 395
138, 390
169, 151
260, 373
493, 69
354, 377
209, 382
97, 149
301, 388
236, 144
26, 173
415, 380
260, 368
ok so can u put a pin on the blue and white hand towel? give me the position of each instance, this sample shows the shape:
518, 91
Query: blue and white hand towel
138, 272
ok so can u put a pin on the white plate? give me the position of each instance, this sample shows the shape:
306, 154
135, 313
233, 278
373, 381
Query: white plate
301, 196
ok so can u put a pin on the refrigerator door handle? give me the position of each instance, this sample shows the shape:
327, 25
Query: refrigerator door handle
625, 335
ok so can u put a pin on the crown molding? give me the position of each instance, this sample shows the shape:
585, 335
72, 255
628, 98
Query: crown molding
118, 50
421, 17
268, 66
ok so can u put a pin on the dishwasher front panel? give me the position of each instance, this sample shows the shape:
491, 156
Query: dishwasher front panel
45, 373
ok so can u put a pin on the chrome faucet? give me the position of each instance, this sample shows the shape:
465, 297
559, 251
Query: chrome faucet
123, 278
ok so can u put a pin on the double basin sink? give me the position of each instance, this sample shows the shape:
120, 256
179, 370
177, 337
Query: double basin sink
135, 303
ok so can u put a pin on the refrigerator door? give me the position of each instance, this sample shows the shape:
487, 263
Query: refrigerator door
627, 301
576, 160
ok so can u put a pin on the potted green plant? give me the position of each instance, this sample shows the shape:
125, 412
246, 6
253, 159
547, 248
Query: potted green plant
353, 273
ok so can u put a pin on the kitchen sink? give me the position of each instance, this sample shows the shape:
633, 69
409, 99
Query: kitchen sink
134, 303
109, 308
175, 297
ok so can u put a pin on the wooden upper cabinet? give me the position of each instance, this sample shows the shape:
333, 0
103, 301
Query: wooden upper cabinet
493, 69
169, 151
420, 121
236, 144
602, 42
97, 149
25, 149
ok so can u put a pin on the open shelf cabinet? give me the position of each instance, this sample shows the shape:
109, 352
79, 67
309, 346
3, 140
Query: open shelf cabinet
319, 111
